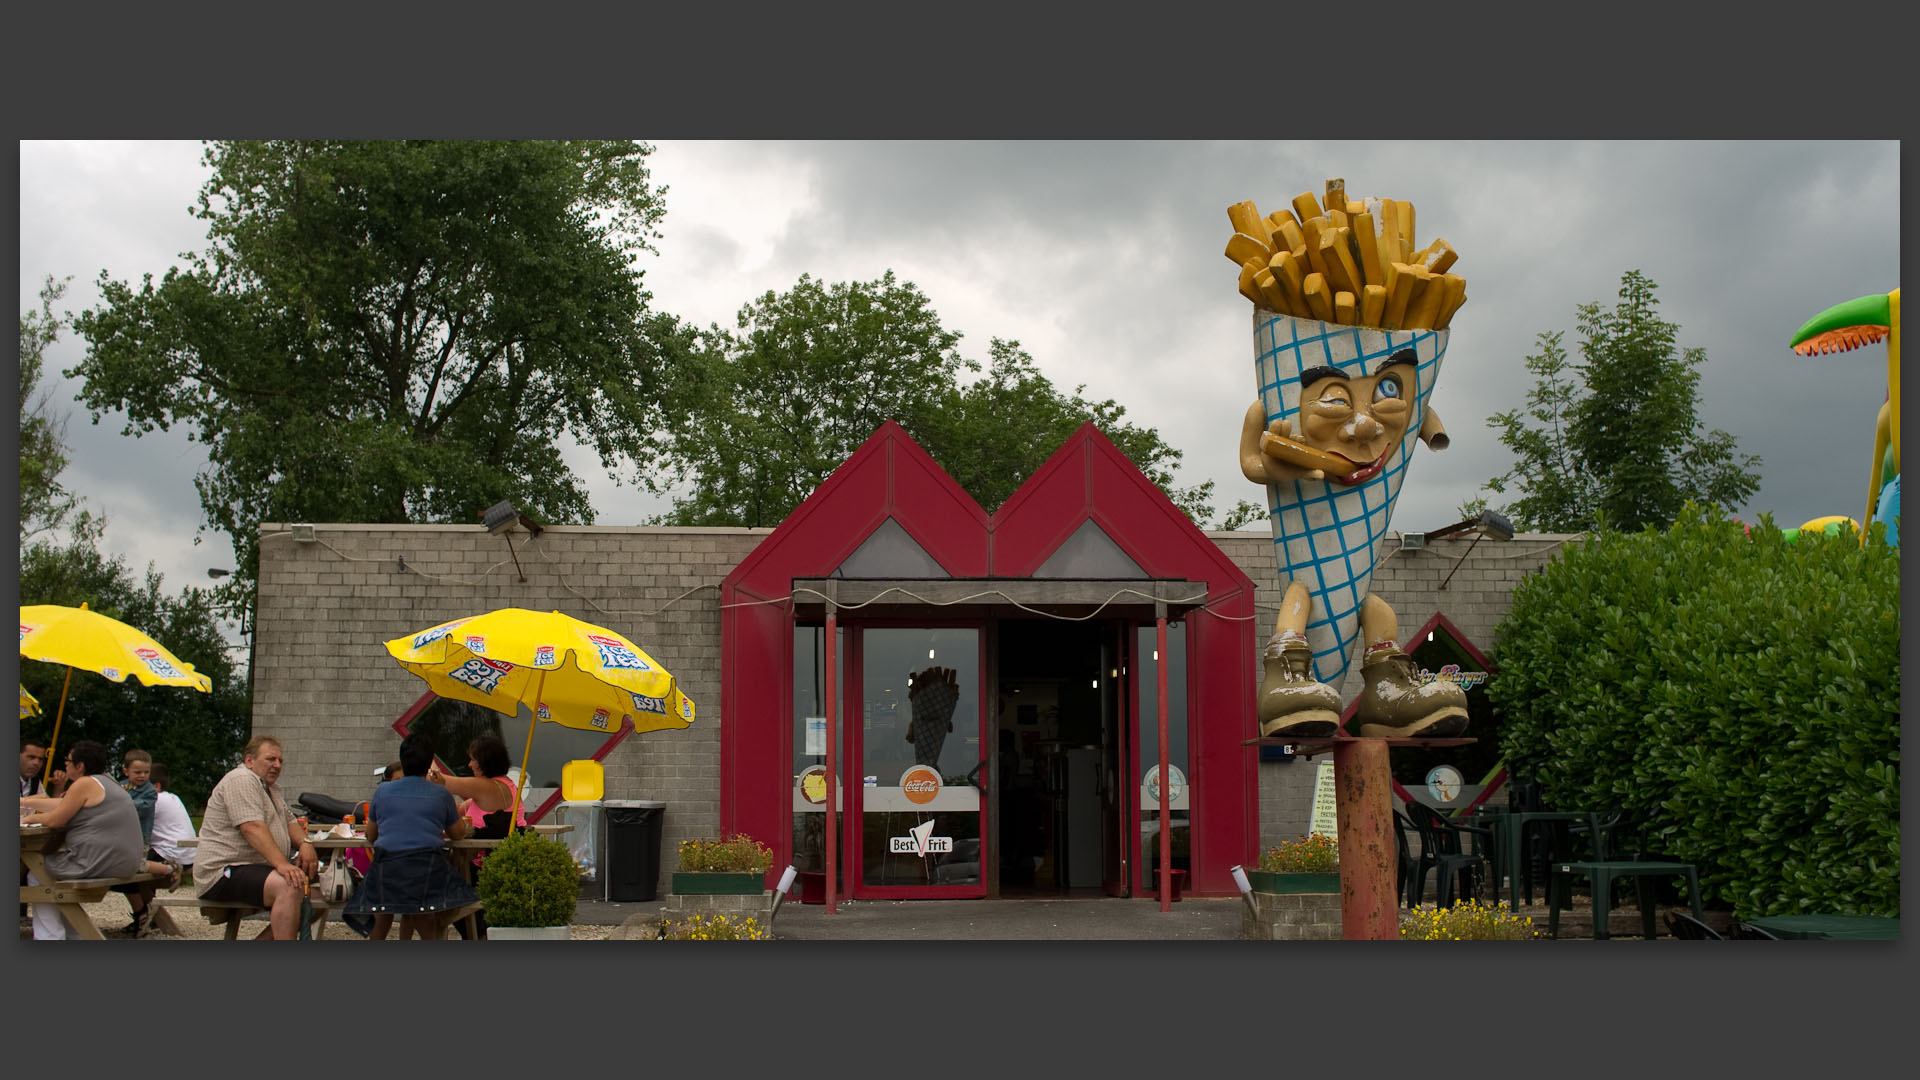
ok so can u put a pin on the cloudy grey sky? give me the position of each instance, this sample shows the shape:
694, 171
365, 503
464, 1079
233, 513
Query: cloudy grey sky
1104, 260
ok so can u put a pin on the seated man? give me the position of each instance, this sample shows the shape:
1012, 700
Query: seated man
248, 853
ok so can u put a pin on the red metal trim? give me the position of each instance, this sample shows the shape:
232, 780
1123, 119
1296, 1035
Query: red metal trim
833, 773
1166, 785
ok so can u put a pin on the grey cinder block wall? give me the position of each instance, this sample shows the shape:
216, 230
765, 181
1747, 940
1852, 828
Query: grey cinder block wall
324, 684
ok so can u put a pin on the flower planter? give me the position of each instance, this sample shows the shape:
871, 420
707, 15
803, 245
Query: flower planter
529, 933
717, 884
1269, 881
1179, 880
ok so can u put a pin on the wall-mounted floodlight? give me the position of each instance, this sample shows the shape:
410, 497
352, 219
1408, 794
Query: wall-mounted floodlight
216, 573
303, 534
1489, 523
501, 517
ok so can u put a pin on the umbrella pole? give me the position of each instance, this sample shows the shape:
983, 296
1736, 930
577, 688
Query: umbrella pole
57, 717
526, 756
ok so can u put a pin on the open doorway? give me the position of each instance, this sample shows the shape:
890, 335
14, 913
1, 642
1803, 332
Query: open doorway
1059, 745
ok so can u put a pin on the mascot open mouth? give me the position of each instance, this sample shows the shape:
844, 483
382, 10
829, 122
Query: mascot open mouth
1365, 472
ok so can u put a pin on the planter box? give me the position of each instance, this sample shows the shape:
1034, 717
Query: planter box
1303, 916
529, 933
710, 884
1268, 881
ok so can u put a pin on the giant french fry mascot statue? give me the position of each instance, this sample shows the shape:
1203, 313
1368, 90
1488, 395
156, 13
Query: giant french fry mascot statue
1843, 327
1349, 328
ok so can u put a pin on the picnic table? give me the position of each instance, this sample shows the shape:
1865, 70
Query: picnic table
357, 841
36, 841
1829, 927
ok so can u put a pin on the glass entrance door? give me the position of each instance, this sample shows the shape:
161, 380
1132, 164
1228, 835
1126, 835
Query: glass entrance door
921, 747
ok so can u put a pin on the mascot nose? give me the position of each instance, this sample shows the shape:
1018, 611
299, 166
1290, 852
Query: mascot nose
1365, 426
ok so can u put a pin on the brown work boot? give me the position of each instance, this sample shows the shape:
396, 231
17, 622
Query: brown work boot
1395, 703
1292, 702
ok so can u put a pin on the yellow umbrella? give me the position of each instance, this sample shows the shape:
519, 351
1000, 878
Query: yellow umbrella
571, 672
79, 638
29, 705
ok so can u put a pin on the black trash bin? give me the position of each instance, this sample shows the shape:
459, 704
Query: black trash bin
633, 848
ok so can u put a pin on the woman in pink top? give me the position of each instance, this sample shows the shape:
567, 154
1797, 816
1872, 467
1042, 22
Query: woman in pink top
488, 792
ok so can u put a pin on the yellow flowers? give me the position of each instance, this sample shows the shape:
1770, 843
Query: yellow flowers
716, 927
1469, 920
1315, 854
738, 853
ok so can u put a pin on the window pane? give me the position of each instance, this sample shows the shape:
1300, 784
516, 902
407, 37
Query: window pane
1149, 743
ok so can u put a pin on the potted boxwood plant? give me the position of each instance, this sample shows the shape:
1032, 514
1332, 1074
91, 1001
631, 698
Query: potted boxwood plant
735, 865
529, 884
1310, 864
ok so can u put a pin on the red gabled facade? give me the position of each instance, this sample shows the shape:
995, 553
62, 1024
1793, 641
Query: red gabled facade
1088, 478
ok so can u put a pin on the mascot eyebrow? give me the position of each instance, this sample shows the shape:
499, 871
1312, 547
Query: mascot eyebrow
1315, 374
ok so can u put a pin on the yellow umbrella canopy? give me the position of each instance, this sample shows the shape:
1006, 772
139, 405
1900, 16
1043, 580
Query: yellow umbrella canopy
80, 638
565, 670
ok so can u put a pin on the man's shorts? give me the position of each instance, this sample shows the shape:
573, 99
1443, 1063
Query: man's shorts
243, 884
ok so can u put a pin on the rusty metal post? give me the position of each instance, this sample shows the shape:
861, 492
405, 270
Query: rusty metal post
1166, 784
1369, 862
833, 765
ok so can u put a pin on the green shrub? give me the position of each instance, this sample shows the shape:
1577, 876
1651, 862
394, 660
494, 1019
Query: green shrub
529, 880
1739, 696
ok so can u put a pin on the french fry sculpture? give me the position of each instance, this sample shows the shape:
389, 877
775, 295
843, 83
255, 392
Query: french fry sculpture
1350, 327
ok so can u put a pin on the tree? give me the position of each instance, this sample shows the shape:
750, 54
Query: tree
44, 502
1617, 437
992, 434
396, 331
772, 409
196, 735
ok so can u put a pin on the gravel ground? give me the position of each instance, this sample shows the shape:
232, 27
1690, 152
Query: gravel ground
112, 916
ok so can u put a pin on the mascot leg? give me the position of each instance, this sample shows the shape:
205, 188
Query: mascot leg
1393, 701
1292, 702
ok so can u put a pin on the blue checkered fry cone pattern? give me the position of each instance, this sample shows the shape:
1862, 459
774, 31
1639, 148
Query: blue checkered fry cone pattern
1327, 535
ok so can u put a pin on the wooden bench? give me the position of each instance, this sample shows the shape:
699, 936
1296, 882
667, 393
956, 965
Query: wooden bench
69, 894
231, 912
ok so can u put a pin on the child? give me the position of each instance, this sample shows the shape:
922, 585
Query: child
137, 765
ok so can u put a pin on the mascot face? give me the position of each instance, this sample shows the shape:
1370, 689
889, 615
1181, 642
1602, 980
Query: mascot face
1360, 393
1361, 420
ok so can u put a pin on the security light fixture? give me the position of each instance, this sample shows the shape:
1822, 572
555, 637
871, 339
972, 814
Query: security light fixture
500, 518
303, 534
1412, 541
217, 573
1489, 523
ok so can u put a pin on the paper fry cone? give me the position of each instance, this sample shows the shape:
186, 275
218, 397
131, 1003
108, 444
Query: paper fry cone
1326, 535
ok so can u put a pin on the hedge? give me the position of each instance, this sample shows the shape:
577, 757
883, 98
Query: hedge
1737, 695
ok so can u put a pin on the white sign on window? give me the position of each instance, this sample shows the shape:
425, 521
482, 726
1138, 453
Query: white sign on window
816, 735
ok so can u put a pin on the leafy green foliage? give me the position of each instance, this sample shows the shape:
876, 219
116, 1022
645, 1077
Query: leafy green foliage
1737, 695
772, 408
196, 736
1618, 433
529, 880
44, 503
396, 331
